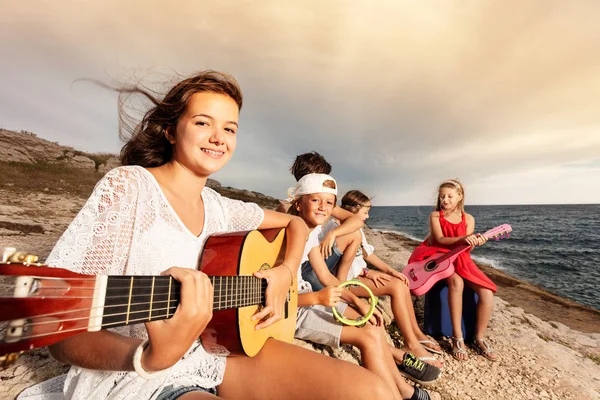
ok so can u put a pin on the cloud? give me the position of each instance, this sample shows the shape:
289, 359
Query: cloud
397, 95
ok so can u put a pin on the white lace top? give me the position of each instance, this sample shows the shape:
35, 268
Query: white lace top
127, 227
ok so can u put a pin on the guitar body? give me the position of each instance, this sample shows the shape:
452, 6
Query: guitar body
40, 306
422, 275
236, 254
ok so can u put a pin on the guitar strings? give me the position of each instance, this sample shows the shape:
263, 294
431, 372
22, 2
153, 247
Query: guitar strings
126, 280
117, 323
254, 297
87, 328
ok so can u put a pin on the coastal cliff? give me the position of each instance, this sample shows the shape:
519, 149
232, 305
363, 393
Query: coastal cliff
549, 347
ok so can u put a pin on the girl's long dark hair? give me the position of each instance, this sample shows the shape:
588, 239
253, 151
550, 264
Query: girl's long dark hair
146, 144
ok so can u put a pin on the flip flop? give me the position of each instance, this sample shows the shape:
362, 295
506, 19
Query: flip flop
426, 359
430, 341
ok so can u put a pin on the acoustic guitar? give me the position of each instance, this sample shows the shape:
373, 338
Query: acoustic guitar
422, 275
40, 305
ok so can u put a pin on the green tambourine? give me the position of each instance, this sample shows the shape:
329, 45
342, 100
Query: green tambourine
372, 301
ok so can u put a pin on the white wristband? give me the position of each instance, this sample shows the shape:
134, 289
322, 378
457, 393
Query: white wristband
137, 363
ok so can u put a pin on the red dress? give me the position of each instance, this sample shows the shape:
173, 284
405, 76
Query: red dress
463, 264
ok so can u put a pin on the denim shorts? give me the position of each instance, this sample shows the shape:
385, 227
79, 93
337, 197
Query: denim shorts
309, 275
172, 393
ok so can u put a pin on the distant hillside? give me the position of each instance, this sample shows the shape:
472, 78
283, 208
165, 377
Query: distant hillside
30, 164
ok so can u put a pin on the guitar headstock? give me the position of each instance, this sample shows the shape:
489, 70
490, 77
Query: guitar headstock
10, 255
39, 305
500, 232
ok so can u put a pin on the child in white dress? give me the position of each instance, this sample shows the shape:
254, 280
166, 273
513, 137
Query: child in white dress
384, 280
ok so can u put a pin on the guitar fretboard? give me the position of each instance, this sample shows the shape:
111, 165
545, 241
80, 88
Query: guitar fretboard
135, 299
459, 249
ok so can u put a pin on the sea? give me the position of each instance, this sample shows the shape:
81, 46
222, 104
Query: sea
556, 247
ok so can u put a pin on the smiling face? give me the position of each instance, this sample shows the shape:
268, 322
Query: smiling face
449, 199
315, 208
204, 138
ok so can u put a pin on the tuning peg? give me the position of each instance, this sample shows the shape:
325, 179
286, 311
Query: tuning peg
7, 253
10, 254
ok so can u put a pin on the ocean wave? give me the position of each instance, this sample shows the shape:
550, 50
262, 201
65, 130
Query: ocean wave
406, 235
488, 261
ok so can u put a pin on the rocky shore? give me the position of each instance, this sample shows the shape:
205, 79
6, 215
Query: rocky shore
549, 347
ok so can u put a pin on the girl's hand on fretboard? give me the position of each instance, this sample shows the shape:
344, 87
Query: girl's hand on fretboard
170, 339
278, 285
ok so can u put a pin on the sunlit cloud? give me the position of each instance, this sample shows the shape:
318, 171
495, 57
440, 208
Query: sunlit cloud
397, 95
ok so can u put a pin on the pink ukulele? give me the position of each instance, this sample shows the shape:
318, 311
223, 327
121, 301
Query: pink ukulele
422, 275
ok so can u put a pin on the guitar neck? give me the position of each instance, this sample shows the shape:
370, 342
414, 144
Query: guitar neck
453, 253
460, 248
134, 299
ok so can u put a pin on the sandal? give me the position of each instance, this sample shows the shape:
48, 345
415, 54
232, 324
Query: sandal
429, 343
483, 348
458, 348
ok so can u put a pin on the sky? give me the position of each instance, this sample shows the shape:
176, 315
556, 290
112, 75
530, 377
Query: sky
397, 95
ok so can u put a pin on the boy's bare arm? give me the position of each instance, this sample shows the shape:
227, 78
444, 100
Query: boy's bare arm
308, 299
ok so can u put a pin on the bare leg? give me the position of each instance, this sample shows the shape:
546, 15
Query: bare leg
455, 292
376, 355
413, 318
348, 245
485, 304
271, 375
397, 292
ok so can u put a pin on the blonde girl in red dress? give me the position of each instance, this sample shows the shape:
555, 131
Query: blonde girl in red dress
450, 226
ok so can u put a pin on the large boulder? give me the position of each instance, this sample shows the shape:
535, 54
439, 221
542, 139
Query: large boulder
111, 162
26, 147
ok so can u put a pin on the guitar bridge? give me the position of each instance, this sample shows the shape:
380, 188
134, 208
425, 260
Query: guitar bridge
412, 275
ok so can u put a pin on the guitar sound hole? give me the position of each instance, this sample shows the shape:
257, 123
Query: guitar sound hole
430, 266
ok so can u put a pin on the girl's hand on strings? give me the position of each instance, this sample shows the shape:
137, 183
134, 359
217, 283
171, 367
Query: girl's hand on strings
472, 240
326, 245
378, 278
278, 285
171, 338
329, 296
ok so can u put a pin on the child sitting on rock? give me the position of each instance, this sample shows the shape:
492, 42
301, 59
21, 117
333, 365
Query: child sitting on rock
341, 242
313, 199
385, 281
